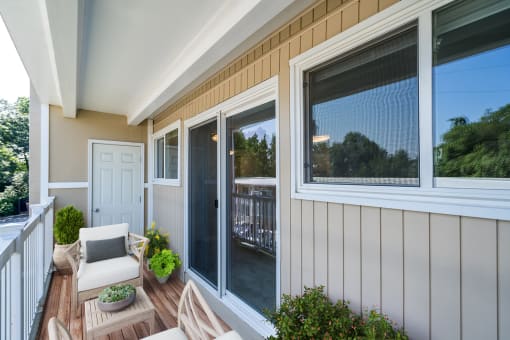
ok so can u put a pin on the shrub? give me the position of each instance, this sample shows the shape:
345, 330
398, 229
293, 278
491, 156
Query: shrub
157, 241
313, 316
164, 262
68, 222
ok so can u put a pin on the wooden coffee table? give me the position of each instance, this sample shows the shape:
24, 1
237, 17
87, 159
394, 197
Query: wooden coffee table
99, 323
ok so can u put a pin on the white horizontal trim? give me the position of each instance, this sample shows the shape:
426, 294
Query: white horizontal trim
68, 185
267, 181
472, 183
464, 202
167, 182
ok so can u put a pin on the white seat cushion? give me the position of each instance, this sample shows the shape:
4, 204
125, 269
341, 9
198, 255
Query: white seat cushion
170, 334
232, 335
106, 272
102, 233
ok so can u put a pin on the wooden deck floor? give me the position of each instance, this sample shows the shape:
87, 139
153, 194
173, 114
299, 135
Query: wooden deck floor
165, 298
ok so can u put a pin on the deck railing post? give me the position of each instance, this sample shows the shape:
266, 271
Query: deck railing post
17, 299
39, 209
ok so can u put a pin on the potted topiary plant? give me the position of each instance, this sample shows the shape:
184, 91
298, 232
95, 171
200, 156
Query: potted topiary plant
164, 263
66, 231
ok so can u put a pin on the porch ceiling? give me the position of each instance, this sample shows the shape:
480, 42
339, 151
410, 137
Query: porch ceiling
133, 57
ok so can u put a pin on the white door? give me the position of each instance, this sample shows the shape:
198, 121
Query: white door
117, 185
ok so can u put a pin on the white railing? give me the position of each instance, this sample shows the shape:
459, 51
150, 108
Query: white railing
25, 264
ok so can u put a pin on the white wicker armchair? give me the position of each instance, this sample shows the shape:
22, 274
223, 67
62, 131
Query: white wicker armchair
89, 279
195, 320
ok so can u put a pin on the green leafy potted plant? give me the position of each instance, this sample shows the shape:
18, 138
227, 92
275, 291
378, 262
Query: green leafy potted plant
164, 263
117, 297
66, 231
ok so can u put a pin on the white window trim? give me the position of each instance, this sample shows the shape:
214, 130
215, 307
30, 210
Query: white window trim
466, 197
253, 97
176, 182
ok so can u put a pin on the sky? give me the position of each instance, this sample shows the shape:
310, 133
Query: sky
14, 81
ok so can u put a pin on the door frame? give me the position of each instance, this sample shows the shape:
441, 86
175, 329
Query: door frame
264, 92
189, 124
91, 142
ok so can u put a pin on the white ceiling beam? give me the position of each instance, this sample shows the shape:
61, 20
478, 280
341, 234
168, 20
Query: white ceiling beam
65, 18
46, 35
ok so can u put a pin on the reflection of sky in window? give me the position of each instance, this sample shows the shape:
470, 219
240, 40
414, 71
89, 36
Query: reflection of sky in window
266, 127
387, 115
468, 87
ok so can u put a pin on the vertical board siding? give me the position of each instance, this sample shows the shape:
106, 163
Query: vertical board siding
416, 274
479, 279
352, 256
320, 221
504, 279
370, 258
445, 277
335, 247
307, 244
392, 264
296, 285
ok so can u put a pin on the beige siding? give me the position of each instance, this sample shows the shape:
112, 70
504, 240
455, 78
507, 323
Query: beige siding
76, 197
442, 277
69, 140
168, 214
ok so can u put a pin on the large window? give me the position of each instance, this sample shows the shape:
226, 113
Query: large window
362, 116
409, 110
472, 90
166, 155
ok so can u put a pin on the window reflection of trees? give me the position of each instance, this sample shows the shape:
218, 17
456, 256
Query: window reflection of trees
358, 156
476, 149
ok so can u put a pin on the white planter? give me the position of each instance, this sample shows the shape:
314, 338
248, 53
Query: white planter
162, 279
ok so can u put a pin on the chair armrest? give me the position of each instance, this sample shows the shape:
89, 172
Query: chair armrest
72, 255
137, 245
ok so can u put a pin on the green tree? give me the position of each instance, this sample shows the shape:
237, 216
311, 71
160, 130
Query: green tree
476, 149
9, 164
14, 130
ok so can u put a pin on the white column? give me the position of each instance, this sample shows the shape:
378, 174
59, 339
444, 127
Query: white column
150, 172
44, 152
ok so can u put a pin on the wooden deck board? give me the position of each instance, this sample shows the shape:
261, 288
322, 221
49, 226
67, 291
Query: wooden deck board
165, 298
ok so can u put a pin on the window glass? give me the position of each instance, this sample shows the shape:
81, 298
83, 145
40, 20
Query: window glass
159, 151
362, 116
471, 72
171, 154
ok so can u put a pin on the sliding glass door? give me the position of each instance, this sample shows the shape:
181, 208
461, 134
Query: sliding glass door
251, 206
203, 202
231, 187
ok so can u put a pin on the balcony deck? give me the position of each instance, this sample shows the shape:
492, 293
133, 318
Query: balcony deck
165, 298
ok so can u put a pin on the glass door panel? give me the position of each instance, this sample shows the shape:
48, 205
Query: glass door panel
251, 208
203, 211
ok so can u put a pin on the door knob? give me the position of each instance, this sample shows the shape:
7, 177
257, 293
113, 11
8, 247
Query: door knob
96, 210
